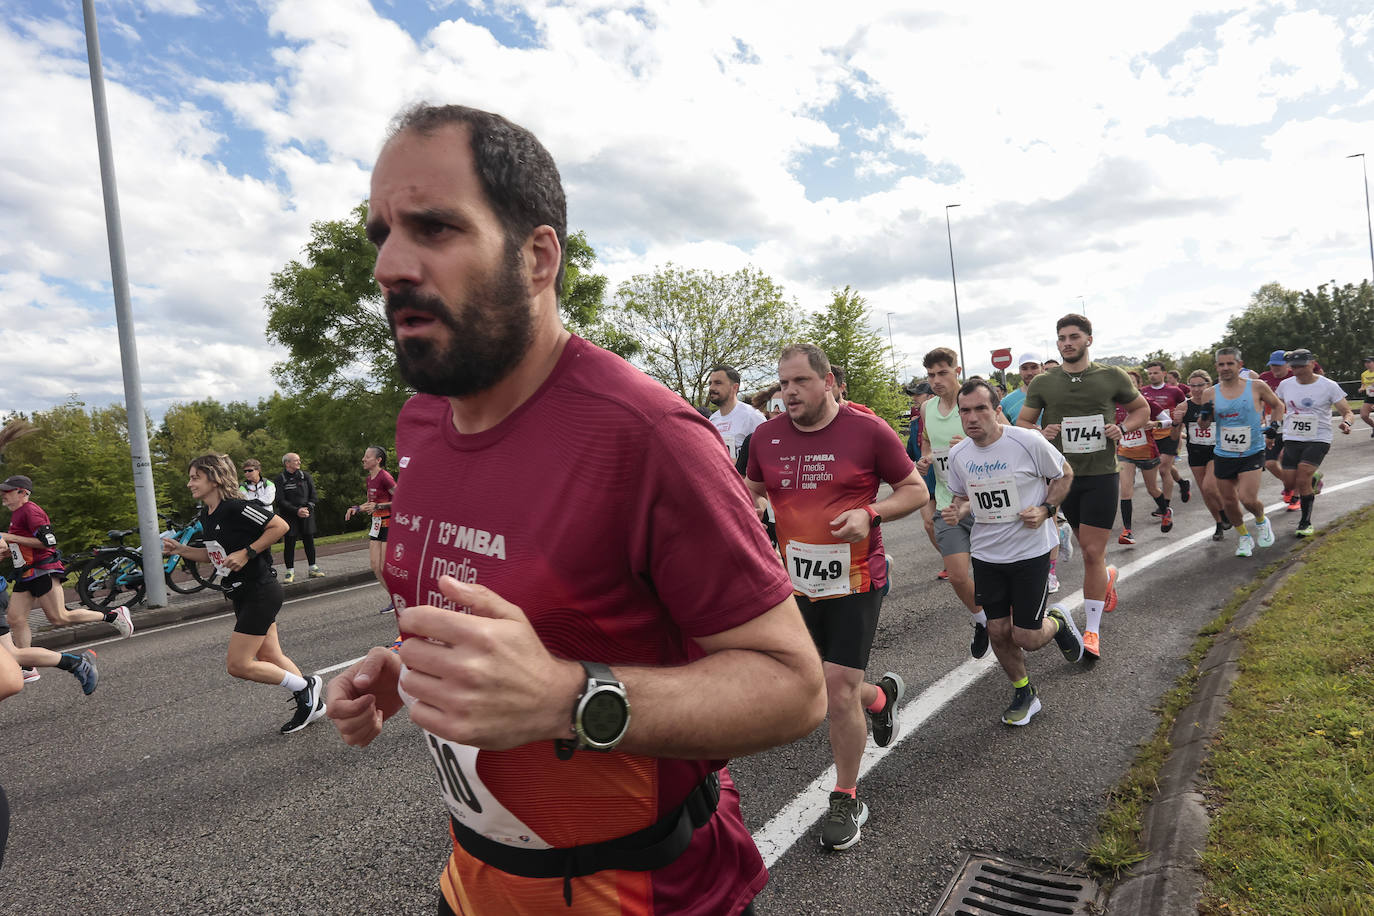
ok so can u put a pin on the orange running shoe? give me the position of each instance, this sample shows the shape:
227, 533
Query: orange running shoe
1109, 603
1126, 537
1090, 646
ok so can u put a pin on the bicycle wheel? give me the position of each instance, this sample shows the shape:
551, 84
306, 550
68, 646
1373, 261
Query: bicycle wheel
112, 579
184, 578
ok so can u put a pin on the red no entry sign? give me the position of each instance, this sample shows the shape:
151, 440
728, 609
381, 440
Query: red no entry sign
1001, 359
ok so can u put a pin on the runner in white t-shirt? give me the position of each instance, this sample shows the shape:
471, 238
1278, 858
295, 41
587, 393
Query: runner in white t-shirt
1010, 481
733, 418
1308, 399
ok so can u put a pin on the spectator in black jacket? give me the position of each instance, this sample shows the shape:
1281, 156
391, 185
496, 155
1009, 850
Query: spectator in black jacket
296, 500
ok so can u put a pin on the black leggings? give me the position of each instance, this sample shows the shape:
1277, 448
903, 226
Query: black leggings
288, 550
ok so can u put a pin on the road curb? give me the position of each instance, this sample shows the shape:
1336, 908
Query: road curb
213, 603
1175, 823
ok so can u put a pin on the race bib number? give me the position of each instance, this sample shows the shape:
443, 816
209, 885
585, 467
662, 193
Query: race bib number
376, 528
939, 459
1134, 439
1082, 435
16, 554
1235, 438
1302, 426
471, 802
818, 570
1202, 435
994, 500
218, 557
1370, 391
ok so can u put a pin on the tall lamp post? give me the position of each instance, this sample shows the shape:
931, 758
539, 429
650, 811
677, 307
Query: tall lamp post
958, 325
892, 349
1369, 225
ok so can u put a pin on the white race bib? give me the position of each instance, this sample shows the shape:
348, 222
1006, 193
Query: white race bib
939, 459
1202, 435
1235, 438
16, 554
469, 800
818, 570
1081, 435
1301, 426
218, 556
376, 528
1134, 439
994, 500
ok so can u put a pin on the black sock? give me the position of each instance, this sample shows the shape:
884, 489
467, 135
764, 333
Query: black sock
68, 662
1126, 506
110, 616
1307, 502
1161, 502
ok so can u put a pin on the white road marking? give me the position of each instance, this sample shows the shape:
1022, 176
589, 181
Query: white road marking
797, 817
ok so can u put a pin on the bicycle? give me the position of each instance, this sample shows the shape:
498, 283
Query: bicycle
113, 576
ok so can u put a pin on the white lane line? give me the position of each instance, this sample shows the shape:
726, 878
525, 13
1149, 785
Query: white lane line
797, 817
340, 666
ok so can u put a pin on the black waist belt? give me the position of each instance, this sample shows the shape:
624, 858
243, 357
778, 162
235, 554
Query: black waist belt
655, 846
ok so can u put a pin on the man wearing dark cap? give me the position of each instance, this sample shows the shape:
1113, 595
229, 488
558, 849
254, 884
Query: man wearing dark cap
37, 570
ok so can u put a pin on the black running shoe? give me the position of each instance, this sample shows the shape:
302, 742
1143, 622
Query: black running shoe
1185, 490
1024, 705
885, 723
1067, 637
978, 646
309, 702
1220, 533
840, 829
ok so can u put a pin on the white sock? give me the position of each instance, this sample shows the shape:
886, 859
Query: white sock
293, 682
980, 617
1094, 612
291, 569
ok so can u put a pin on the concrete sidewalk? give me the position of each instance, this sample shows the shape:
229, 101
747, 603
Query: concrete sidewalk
343, 564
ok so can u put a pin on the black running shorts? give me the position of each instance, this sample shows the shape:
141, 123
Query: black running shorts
1092, 501
1227, 468
38, 586
380, 536
843, 627
1167, 445
1199, 455
1145, 464
1296, 453
256, 605
1017, 590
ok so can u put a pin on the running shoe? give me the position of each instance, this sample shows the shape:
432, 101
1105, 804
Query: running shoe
885, 726
1306, 531
1052, 586
943, 575
289, 577
1185, 490
389, 609
840, 829
1264, 534
1024, 705
1287, 496
1220, 533
1246, 547
396, 646
1126, 537
1293, 503
1065, 542
1067, 637
31, 675
1316, 482
1225, 522
1371, 434
1166, 521
309, 702
123, 622
1091, 649
316, 573
1109, 602
1157, 512
85, 672
978, 646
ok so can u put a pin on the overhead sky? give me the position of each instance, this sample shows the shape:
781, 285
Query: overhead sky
1150, 164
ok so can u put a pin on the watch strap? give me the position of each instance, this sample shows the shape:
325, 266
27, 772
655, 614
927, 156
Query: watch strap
599, 671
874, 519
250, 551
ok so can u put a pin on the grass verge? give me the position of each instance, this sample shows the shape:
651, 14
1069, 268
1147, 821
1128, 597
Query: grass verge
1292, 775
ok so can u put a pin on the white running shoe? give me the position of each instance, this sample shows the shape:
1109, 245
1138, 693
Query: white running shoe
1246, 547
1264, 535
31, 675
1053, 584
123, 622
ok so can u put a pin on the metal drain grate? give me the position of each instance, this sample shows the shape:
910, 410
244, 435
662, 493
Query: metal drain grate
991, 886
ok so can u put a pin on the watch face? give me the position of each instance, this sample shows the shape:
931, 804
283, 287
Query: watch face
604, 716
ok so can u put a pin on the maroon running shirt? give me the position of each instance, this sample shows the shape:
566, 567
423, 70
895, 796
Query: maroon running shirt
605, 508
1166, 398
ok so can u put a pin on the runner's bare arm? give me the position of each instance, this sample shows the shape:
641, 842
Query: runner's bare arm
486, 680
1137, 417
908, 495
1347, 415
927, 453
759, 491
957, 509
364, 697
1269, 399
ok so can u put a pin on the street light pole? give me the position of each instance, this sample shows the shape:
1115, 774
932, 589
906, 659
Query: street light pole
958, 325
1369, 225
892, 349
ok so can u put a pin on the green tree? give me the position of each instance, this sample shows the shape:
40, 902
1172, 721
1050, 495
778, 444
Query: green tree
689, 321
584, 300
1334, 322
1164, 357
843, 330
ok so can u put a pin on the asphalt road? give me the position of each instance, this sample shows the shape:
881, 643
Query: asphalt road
170, 790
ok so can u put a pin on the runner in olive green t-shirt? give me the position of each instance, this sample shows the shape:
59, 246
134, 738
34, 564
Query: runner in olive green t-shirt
1079, 401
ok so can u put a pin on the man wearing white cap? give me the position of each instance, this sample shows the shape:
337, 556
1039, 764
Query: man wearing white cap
1029, 367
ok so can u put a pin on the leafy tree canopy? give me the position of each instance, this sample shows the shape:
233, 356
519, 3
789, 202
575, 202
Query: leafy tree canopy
843, 330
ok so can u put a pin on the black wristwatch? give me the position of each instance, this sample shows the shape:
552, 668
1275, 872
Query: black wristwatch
874, 519
250, 551
601, 715
1051, 508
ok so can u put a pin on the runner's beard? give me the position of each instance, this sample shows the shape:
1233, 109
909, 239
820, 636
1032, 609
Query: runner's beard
488, 335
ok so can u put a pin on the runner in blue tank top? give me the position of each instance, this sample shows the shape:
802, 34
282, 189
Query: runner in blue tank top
1239, 453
